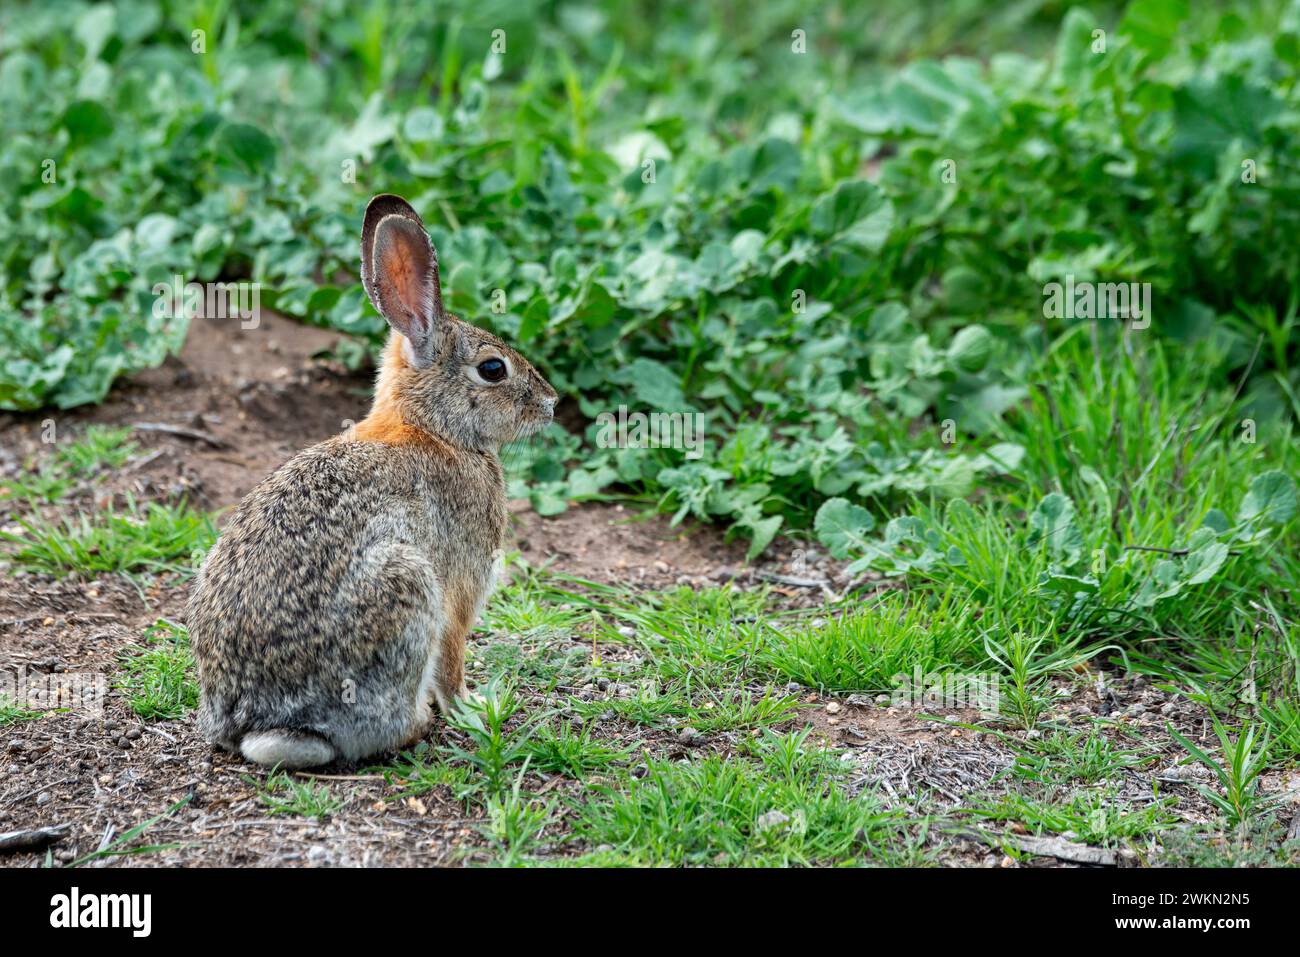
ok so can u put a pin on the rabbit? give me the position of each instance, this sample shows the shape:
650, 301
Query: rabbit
333, 610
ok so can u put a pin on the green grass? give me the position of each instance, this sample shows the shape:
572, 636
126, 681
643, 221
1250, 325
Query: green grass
1083, 757
285, 794
515, 825
756, 788
560, 748
778, 807
160, 537
866, 649
12, 713
542, 661
422, 770
708, 660
525, 616
158, 676
684, 704
100, 449
1095, 817
1264, 845
1143, 527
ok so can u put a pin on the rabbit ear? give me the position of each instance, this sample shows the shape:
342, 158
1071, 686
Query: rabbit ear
399, 270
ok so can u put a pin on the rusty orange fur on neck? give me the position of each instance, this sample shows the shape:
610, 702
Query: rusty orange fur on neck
386, 423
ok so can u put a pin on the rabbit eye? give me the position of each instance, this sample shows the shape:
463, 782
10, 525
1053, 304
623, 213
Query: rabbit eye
492, 370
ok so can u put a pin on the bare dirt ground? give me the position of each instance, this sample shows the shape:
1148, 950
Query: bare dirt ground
251, 401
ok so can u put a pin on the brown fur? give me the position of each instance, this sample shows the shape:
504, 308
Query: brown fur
386, 422
461, 613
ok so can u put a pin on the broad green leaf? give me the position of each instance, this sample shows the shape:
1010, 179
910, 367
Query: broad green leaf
246, 148
1074, 54
86, 122
1153, 24
1271, 500
1205, 556
654, 385
842, 526
763, 530
1053, 522
856, 213
1215, 113
970, 348
423, 125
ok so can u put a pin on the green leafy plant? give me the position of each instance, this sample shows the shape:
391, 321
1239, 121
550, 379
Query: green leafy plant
494, 747
810, 312
515, 823
1245, 758
282, 793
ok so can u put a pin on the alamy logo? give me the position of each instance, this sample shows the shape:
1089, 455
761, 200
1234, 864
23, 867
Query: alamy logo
654, 430
103, 910
1098, 300
209, 300
47, 692
948, 690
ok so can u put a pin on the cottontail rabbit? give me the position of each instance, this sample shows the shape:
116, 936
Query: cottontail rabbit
337, 601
